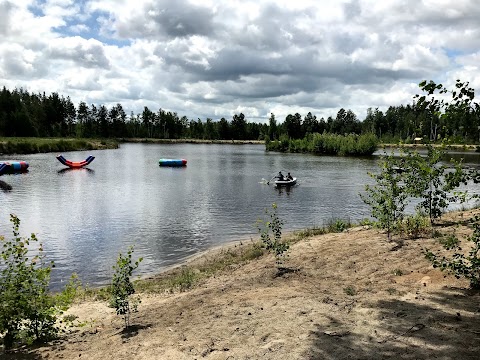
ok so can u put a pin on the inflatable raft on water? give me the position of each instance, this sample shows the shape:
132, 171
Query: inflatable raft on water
286, 182
10, 167
75, 164
172, 162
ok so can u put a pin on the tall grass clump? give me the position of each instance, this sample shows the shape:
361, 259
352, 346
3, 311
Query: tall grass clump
337, 225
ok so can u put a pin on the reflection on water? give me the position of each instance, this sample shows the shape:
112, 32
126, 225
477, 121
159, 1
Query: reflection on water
66, 170
84, 217
285, 189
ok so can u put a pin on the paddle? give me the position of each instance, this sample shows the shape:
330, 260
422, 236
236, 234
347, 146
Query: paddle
268, 182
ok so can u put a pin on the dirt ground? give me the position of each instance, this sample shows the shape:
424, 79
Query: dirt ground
350, 295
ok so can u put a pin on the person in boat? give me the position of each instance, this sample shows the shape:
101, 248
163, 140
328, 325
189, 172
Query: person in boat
280, 176
289, 177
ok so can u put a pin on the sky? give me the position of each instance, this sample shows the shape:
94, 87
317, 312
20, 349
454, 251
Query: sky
213, 59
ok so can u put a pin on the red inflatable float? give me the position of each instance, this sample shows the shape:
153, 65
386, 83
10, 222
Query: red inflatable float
75, 164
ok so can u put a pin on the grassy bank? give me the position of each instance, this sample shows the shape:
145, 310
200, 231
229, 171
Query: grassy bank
188, 141
212, 262
453, 147
43, 145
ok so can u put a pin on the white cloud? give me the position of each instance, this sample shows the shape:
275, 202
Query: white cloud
213, 59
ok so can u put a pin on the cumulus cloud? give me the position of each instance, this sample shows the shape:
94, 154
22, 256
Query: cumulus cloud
83, 53
213, 59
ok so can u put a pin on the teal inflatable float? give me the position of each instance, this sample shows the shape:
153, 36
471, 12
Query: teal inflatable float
172, 162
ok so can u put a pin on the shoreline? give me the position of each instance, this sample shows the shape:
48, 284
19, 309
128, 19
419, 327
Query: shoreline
189, 141
27, 146
24, 146
347, 295
454, 147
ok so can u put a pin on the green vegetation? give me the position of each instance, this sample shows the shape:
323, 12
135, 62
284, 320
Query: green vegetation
459, 262
414, 225
388, 197
413, 177
185, 280
122, 288
431, 180
40, 115
425, 178
397, 272
185, 277
43, 145
391, 291
449, 241
337, 225
350, 290
326, 144
271, 236
28, 312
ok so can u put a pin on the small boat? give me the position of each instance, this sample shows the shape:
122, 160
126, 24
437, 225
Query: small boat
75, 164
10, 167
286, 182
172, 162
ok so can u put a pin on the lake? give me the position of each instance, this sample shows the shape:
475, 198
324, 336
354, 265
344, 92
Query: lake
85, 217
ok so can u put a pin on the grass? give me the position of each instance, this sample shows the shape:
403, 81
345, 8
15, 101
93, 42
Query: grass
350, 290
391, 291
21, 145
397, 272
333, 225
449, 241
188, 276
185, 277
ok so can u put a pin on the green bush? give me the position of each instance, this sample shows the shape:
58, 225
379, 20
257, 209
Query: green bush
350, 290
28, 312
460, 263
449, 241
388, 197
122, 287
185, 280
430, 180
337, 225
271, 236
414, 225
327, 144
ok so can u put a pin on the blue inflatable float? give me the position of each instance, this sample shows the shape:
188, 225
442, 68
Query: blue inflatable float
172, 162
10, 167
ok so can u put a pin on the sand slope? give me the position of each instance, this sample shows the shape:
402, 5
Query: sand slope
346, 299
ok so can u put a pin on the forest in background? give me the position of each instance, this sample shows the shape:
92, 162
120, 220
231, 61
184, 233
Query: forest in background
25, 114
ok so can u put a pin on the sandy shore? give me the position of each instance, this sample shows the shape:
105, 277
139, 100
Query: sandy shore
350, 295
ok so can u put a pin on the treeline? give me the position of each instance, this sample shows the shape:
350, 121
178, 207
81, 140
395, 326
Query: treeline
25, 114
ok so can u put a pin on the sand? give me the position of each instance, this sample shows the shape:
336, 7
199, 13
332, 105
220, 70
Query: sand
349, 295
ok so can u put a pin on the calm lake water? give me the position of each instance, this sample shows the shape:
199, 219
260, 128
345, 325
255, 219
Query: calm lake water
86, 217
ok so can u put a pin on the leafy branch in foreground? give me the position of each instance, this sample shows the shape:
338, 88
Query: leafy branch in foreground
433, 181
28, 312
271, 236
122, 287
460, 264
